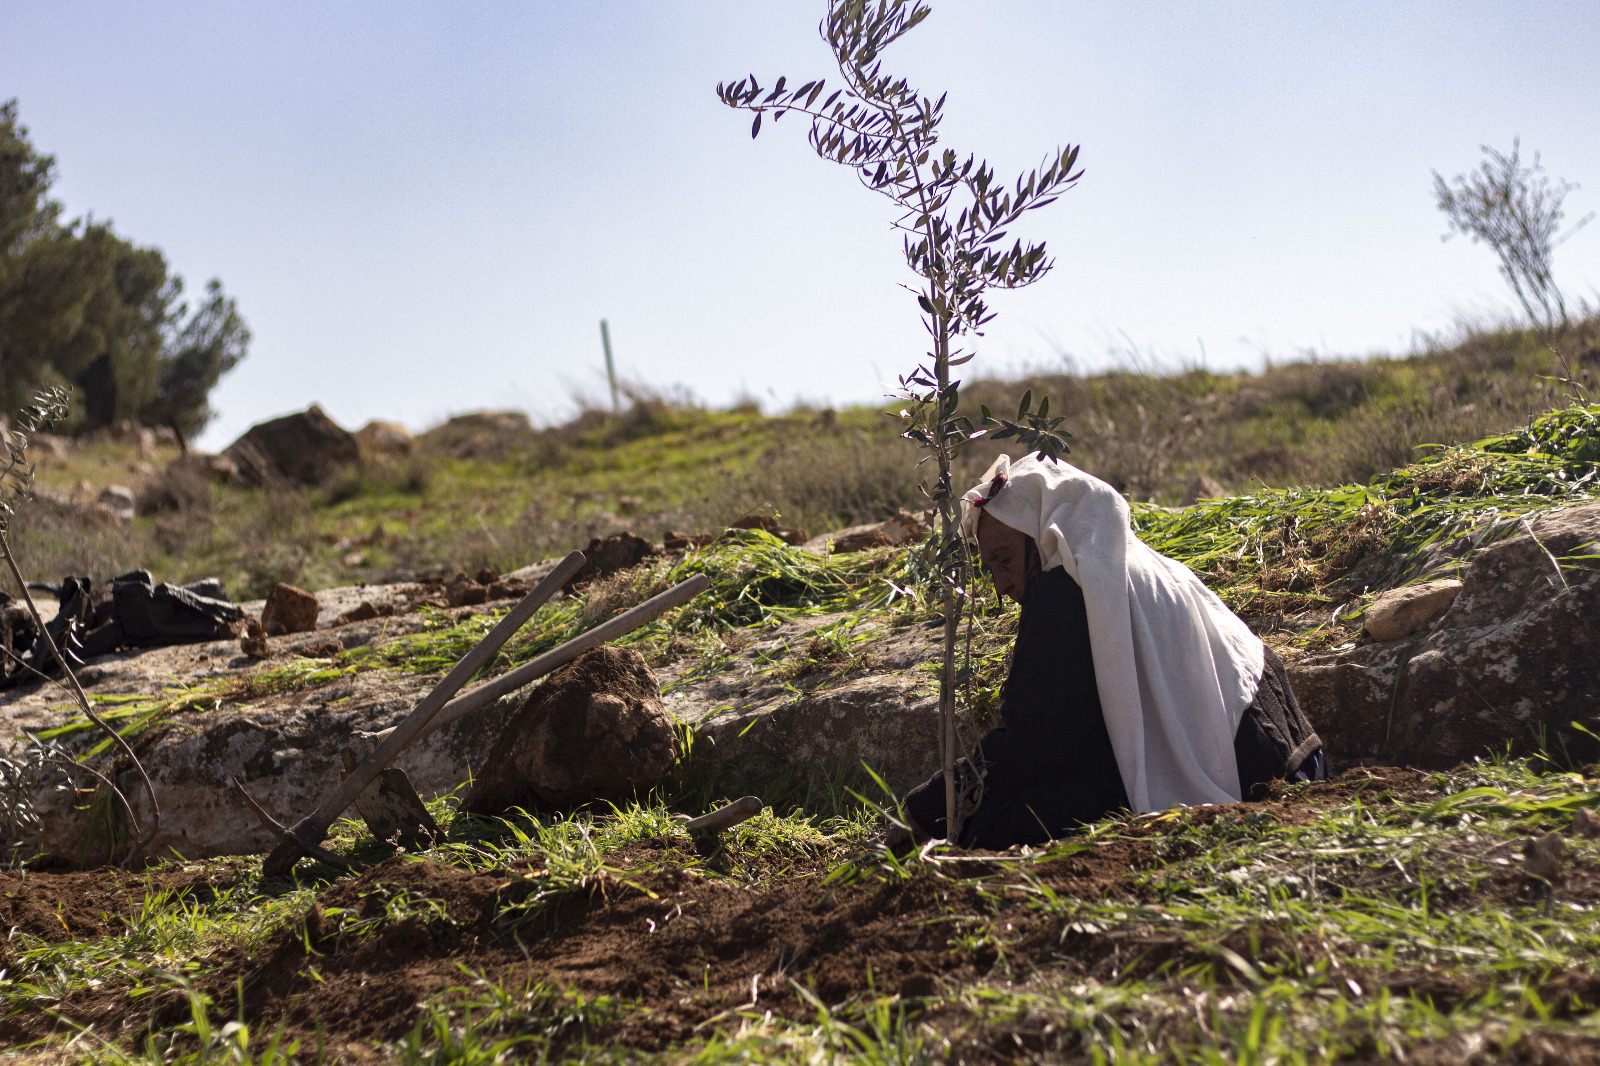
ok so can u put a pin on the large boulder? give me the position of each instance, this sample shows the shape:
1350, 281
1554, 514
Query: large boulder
1510, 664
301, 449
595, 730
482, 435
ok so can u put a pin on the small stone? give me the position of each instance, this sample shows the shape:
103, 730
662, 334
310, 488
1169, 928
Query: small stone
361, 612
288, 610
1544, 856
1585, 823
254, 641
118, 499
462, 591
1401, 612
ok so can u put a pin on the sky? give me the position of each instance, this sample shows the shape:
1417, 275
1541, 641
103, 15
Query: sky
427, 209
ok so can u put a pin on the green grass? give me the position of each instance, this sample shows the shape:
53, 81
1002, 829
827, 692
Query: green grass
1307, 424
1311, 555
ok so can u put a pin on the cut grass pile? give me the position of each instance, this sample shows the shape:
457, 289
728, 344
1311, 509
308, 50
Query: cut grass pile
1386, 915
1281, 552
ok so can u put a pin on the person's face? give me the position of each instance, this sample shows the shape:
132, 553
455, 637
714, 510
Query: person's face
1005, 552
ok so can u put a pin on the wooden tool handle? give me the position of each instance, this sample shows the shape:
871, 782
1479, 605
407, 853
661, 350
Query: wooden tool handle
725, 817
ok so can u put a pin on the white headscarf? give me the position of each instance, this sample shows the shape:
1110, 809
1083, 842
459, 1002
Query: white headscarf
1175, 668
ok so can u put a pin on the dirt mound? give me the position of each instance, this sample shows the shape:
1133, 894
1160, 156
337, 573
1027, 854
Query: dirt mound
81, 905
602, 558
674, 947
595, 730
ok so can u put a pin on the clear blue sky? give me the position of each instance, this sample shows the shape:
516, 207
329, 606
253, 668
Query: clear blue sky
427, 208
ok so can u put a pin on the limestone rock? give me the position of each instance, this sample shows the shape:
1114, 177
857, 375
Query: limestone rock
862, 540
880, 721
595, 730
385, 438
118, 499
287, 761
1401, 612
49, 445
482, 434
288, 610
903, 528
302, 448
198, 465
1511, 663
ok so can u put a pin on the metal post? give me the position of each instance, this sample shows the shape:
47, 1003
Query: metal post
611, 368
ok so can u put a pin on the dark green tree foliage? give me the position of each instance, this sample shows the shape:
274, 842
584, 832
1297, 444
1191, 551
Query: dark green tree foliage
955, 218
198, 352
84, 308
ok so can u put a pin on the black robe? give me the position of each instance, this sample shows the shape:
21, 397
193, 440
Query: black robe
1051, 768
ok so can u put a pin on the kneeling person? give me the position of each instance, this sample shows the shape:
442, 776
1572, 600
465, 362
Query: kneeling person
1131, 685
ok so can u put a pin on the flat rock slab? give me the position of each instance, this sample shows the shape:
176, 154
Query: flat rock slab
884, 712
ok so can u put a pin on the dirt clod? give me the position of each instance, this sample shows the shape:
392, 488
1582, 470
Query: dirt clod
604, 557
596, 730
289, 610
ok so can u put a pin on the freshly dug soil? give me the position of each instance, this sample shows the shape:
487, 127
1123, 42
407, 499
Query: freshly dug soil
87, 904
678, 948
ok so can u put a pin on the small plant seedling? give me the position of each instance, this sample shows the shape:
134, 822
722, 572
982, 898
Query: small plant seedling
955, 219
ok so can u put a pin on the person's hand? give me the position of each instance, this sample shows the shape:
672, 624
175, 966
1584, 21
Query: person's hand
899, 839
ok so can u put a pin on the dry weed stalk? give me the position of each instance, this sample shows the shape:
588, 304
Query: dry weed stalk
16, 479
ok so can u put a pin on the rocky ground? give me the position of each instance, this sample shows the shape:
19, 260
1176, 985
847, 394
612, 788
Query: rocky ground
1504, 665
